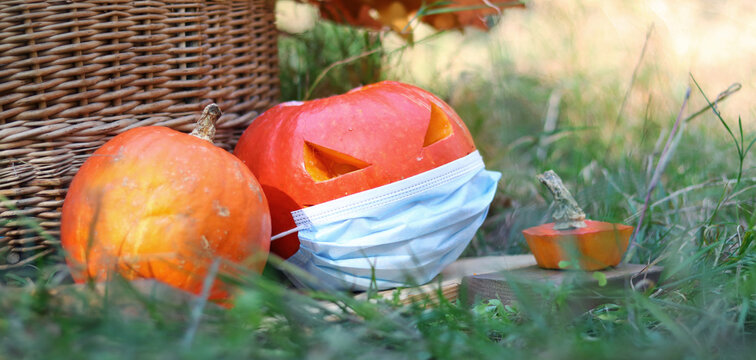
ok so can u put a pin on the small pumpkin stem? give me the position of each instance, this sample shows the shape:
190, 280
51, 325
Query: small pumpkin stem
567, 213
205, 128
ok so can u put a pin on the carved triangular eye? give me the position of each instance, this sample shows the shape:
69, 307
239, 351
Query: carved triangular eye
324, 164
439, 127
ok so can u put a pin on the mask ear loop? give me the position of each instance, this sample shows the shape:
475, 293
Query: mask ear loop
287, 232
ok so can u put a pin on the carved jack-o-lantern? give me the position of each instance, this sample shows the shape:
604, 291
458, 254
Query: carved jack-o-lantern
307, 153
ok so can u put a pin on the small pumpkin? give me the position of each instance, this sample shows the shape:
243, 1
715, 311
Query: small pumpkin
156, 203
571, 239
307, 153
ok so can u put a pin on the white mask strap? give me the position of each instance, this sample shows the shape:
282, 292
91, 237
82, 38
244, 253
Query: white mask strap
287, 232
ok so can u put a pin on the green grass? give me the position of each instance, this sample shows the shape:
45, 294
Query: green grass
307, 60
700, 227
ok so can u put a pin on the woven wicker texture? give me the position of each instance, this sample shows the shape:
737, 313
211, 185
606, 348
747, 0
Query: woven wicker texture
75, 73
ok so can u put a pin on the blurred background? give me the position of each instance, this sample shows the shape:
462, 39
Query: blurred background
595, 42
590, 89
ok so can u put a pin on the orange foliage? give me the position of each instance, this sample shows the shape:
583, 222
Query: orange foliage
398, 14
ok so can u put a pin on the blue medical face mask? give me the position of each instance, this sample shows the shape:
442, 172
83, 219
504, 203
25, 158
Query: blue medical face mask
399, 234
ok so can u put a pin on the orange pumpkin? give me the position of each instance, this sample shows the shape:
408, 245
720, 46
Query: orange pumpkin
307, 153
157, 203
587, 244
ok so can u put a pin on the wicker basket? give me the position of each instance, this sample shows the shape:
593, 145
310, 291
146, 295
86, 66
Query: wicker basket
75, 73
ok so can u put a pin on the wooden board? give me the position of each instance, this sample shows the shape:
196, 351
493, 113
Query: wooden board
485, 264
494, 277
584, 287
428, 292
448, 282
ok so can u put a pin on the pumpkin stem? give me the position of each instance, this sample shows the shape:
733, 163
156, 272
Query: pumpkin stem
567, 213
206, 124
